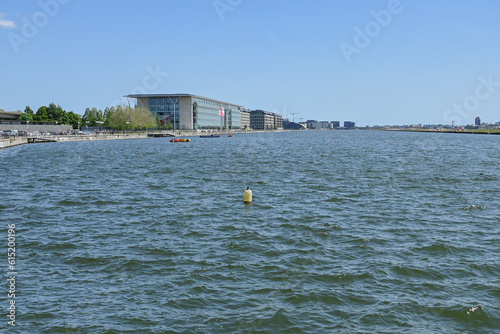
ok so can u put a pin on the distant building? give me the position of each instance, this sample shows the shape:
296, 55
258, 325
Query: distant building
335, 124
311, 123
10, 115
262, 120
278, 122
319, 125
349, 125
287, 125
478, 121
245, 118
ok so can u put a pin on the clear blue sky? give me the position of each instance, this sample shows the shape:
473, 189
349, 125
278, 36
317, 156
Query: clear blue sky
426, 62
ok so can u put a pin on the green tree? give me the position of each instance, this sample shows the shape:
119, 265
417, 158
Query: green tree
107, 115
92, 116
41, 115
74, 119
27, 115
138, 118
57, 114
144, 118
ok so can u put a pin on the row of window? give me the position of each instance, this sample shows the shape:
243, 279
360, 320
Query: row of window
206, 114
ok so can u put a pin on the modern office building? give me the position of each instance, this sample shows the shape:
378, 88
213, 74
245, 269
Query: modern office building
191, 112
245, 119
478, 121
264, 120
349, 125
278, 122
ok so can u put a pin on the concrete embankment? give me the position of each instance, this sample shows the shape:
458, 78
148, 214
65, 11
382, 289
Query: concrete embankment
11, 142
16, 141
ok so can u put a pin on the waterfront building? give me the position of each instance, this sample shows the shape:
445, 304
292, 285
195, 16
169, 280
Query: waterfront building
349, 125
335, 124
278, 122
478, 121
323, 125
263, 120
191, 112
287, 125
245, 119
319, 125
10, 115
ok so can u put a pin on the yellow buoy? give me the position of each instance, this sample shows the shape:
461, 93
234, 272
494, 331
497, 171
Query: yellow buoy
247, 197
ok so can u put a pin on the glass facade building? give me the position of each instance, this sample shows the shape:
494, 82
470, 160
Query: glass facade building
191, 112
166, 110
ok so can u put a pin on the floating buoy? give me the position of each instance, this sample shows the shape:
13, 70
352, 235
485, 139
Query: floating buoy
247, 197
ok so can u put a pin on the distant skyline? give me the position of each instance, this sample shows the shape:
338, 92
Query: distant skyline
371, 62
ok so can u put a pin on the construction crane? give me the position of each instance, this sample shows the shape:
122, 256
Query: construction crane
293, 116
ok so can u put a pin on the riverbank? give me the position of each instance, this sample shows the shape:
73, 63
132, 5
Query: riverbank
475, 132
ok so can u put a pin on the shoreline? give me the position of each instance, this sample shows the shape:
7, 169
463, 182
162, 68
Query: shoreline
473, 132
18, 141
13, 141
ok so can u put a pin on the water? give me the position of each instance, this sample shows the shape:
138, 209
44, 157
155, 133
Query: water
348, 232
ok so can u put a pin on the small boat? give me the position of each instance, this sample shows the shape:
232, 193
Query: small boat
180, 140
210, 136
230, 135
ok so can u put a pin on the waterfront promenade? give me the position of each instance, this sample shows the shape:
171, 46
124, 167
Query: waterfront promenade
16, 141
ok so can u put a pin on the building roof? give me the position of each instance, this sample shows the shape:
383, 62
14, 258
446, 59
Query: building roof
137, 96
10, 115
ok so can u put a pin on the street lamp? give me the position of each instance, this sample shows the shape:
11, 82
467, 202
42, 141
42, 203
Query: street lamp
127, 125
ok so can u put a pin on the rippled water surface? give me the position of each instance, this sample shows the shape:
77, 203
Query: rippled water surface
348, 232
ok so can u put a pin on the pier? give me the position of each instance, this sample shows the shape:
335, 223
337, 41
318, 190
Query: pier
34, 140
159, 135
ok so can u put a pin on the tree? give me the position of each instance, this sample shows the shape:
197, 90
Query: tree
136, 117
144, 118
27, 115
107, 115
57, 114
42, 115
92, 116
74, 119
52, 113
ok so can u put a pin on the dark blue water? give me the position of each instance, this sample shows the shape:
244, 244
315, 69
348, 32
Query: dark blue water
348, 232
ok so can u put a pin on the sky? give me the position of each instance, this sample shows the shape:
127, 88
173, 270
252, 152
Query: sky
378, 62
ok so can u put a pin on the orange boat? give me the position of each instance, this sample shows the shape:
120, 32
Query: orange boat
179, 140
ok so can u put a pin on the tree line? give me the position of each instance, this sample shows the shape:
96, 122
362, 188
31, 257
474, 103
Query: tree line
119, 117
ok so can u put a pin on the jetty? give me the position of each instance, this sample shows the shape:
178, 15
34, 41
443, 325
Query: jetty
159, 135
